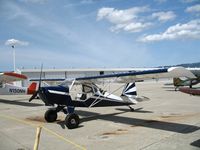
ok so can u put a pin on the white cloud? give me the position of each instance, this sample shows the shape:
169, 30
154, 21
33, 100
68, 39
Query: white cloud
14, 42
126, 19
120, 16
190, 30
131, 27
193, 9
164, 16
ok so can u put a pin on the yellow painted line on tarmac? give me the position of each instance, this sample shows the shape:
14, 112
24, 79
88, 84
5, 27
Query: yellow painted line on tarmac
18, 120
62, 138
46, 129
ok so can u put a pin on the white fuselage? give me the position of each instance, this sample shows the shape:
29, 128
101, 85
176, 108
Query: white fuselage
8, 89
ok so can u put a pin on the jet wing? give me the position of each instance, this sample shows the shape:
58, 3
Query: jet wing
7, 77
127, 77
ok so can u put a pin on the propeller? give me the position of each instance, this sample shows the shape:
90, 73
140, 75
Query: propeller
39, 87
34, 95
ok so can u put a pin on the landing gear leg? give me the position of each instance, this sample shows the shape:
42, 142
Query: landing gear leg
131, 108
177, 88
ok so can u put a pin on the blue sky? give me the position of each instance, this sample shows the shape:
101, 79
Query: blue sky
99, 33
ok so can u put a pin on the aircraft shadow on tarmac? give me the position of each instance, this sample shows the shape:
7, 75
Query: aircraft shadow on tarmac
196, 143
20, 103
138, 110
135, 122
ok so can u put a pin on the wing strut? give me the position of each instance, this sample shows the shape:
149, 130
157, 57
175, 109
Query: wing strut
98, 99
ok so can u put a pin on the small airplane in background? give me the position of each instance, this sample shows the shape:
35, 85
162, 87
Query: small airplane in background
84, 92
189, 81
7, 88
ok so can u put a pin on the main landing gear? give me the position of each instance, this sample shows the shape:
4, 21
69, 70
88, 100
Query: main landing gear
50, 115
131, 108
71, 120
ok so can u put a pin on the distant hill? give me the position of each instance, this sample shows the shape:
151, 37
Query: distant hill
190, 65
187, 65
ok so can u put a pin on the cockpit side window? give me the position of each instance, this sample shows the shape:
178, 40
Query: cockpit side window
87, 89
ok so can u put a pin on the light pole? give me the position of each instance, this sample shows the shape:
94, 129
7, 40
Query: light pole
13, 46
13, 43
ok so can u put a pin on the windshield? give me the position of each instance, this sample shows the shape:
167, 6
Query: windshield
66, 83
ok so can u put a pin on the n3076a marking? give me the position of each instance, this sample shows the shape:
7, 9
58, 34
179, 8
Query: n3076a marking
17, 91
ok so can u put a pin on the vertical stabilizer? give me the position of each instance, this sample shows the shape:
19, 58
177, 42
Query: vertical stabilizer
129, 90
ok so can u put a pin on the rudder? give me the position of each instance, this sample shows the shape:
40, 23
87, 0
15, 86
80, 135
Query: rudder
129, 90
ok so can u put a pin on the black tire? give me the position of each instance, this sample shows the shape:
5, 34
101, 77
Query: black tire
72, 121
50, 115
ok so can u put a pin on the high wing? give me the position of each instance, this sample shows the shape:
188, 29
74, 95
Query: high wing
7, 77
127, 77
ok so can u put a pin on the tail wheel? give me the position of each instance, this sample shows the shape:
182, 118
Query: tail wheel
50, 115
72, 121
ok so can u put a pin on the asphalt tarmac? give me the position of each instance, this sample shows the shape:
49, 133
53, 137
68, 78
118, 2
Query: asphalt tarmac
169, 120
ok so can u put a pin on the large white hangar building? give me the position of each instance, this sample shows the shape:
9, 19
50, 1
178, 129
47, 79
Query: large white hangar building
70, 73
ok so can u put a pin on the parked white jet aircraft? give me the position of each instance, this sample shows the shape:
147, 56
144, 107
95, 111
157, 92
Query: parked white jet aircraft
7, 87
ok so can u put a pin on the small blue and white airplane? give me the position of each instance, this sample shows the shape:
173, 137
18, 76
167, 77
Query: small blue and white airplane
84, 92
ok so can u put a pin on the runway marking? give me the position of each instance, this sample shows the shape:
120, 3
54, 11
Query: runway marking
46, 129
18, 120
62, 138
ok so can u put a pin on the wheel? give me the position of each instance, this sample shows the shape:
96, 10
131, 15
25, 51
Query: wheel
72, 121
50, 115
